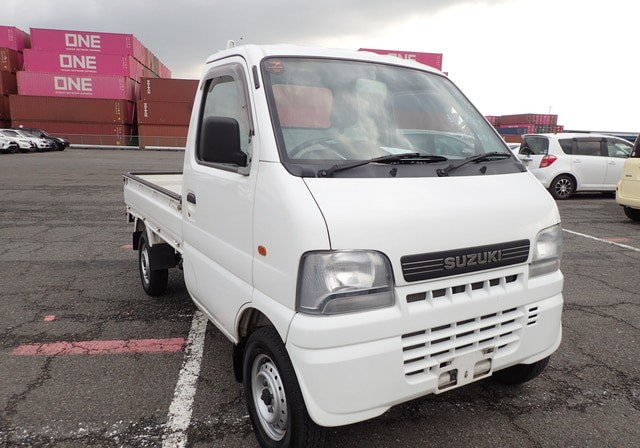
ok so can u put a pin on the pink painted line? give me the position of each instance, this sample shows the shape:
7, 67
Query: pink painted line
618, 239
49, 318
100, 347
127, 246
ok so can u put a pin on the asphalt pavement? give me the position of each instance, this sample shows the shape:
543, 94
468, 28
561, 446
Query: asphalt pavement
87, 359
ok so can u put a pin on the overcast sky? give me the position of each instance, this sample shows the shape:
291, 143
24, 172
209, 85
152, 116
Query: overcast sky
574, 58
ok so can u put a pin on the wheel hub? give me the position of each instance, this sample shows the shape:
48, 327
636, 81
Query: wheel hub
144, 264
269, 397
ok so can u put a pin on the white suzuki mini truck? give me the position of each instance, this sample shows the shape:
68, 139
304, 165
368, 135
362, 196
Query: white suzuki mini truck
354, 226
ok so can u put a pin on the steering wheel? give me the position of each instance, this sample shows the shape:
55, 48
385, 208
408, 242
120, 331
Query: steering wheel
297, 151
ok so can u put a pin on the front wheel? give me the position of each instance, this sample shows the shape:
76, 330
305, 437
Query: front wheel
520, 373
276, 407
562, 187
632, 213
154, 282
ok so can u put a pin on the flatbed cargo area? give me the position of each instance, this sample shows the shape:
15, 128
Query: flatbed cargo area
155, 199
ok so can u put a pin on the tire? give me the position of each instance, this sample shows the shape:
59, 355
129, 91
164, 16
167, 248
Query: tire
276, 407
154, 282
562, 187
632, 213
520, 373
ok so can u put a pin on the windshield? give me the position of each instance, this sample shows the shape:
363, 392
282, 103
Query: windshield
331, 111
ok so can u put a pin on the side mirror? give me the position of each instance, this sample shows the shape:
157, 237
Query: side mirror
220, 141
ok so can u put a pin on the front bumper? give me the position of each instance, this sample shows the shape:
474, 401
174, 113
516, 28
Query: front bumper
355, 367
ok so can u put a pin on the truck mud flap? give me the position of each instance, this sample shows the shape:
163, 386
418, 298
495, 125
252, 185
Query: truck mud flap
162, 256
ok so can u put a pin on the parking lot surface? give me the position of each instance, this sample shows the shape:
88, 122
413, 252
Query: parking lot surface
88, 360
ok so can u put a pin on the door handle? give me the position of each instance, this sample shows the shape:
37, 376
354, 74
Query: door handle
191, 198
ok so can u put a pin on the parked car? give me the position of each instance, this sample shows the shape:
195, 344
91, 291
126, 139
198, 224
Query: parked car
7, 145
566, 163
41, 143
57, 143
24, 144
628, 189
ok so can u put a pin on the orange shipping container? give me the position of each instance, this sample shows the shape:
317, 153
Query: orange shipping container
161, 112
168, 136
4, 108
8, 83
9, 60
83, 133
65, 109
168, 89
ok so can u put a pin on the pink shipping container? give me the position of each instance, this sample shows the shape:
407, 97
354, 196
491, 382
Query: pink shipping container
518, 119
431, 59
84, 86
83, 62
493, 119
65, 41
86, 41
13, 38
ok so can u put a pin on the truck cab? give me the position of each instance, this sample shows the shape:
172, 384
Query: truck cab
353, 224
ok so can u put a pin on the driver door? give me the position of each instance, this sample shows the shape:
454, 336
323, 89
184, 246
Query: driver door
218, 212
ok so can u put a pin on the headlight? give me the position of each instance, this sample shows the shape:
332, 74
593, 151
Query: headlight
547, 251
335, 282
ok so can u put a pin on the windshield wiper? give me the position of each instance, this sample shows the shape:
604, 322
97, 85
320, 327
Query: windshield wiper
495, 155
405, 157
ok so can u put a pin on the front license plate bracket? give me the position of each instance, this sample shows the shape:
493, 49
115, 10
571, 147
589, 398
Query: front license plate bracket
464, 369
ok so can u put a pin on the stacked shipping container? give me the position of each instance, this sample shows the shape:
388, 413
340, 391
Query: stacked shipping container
12, 43
512, 127
80, 84
164, 111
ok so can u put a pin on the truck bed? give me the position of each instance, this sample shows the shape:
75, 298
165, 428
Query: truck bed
156, 199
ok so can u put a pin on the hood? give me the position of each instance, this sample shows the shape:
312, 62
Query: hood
407, 216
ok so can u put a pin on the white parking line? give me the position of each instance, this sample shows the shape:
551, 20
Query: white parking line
624, 246
181, 407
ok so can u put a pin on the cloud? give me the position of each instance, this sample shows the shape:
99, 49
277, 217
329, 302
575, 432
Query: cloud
183, 33
509, 56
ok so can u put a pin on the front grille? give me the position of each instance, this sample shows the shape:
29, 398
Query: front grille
470, 288
462, 261
424, 350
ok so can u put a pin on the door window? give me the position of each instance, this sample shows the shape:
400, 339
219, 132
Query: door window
618, 148
226, 96
588, 148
